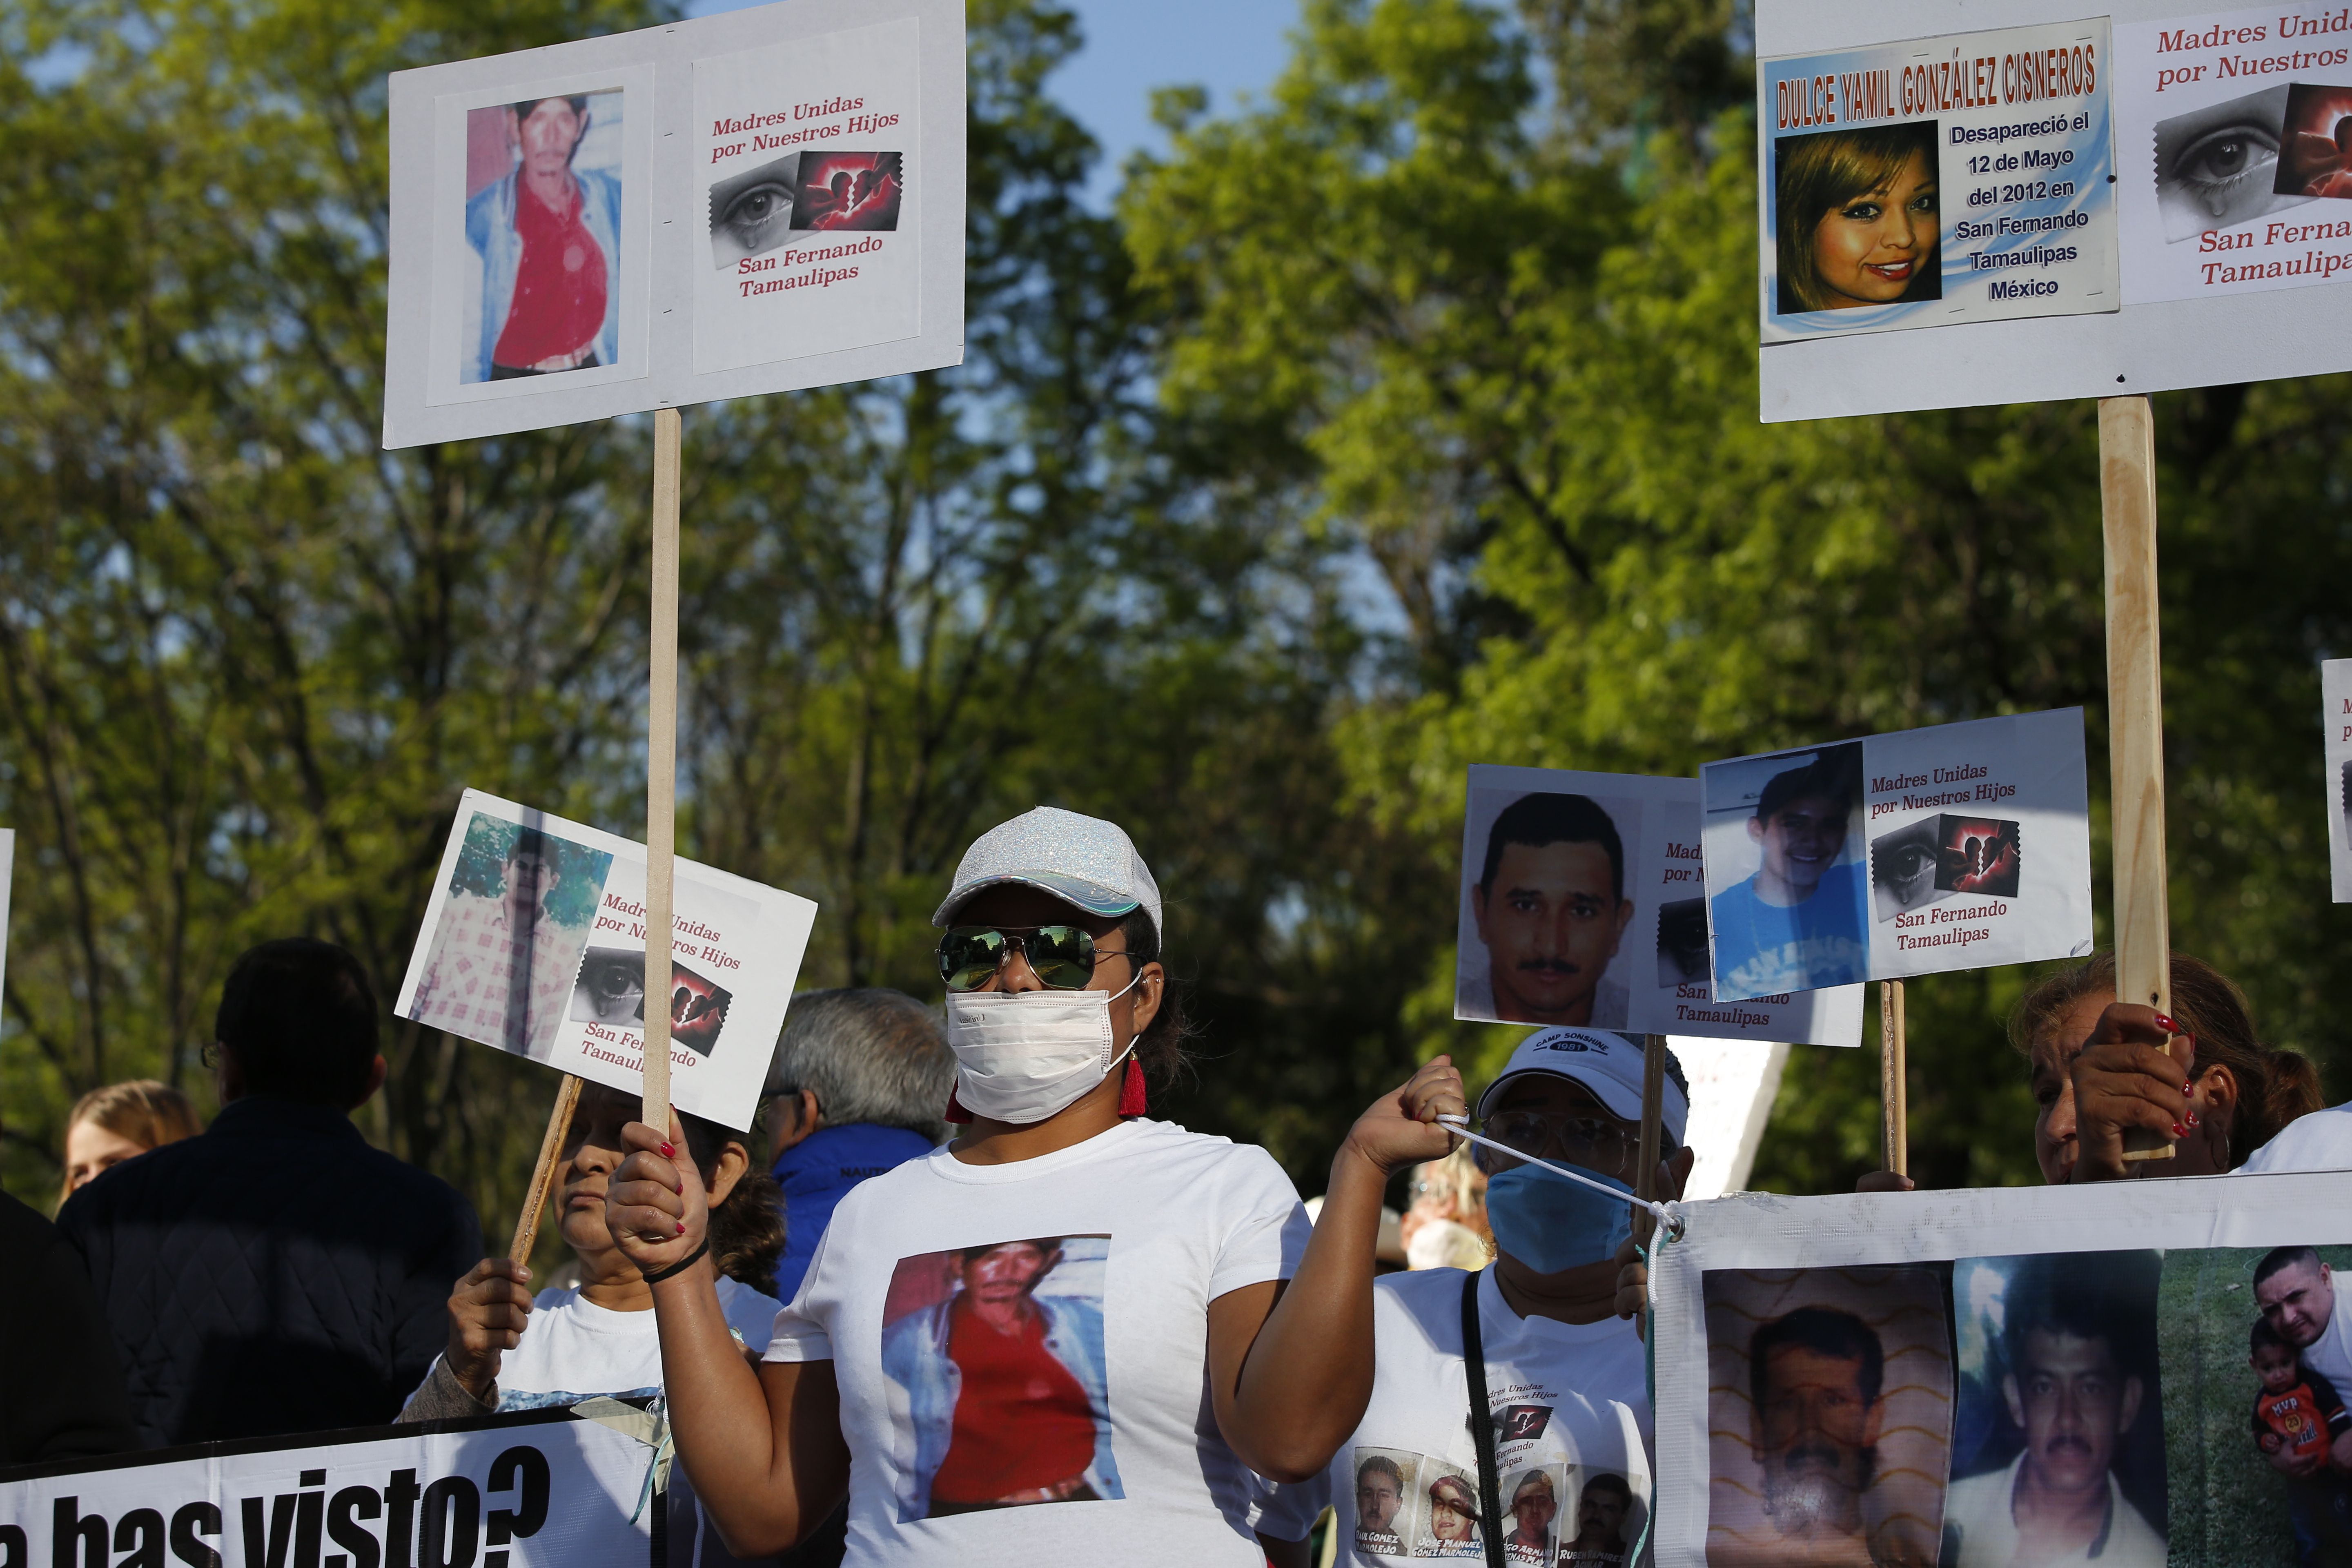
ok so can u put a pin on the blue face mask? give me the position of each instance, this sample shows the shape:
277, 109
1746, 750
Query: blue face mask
1551, 1223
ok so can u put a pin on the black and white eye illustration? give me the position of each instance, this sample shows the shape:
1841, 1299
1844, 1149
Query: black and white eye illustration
2219, 166
751, 212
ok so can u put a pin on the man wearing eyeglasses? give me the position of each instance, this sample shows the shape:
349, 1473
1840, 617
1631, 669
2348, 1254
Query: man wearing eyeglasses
1565, 1369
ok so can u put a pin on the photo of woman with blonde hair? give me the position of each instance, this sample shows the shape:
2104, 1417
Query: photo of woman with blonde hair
1858, 220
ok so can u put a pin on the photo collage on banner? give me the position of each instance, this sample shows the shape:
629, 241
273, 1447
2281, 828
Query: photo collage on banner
1976, 1405
1555, 1515
534, 944
2233, 129
750, 202
1581, 902
1957, 847
1933, 180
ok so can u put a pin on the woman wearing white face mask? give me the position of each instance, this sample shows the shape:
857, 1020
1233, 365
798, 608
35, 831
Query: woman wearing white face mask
1064, 1337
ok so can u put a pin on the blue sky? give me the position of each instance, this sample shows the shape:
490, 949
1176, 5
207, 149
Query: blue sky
1229, 47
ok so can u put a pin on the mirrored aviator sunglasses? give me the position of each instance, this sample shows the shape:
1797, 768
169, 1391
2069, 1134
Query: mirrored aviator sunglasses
1061, 957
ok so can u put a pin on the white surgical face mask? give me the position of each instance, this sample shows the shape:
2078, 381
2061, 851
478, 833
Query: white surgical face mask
1023, 1056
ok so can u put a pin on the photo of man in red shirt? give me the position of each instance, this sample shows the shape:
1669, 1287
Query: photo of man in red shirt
547, 231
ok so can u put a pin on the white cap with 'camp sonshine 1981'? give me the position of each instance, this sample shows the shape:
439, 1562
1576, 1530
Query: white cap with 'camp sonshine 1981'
1607, 1063
1082, 860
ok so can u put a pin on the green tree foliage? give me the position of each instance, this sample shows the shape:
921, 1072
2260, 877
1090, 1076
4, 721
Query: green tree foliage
1519, 375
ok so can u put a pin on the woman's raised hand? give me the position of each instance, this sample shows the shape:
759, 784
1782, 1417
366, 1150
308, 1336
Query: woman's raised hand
2133, 1071
488, 1311
654, 1205
1400, 1128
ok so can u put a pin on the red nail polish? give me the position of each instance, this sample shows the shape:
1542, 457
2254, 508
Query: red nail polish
669, 1152
2192, 1119
681, 1227
2178, 1132
2166, 1025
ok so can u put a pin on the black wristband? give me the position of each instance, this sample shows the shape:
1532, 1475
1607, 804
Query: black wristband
681, 1265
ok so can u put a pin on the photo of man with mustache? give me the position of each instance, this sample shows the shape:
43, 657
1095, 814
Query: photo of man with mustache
1817, 1375
1551, 909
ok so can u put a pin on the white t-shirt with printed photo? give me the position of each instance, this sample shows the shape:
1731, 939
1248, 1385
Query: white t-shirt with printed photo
1572, 1436
1022, 1349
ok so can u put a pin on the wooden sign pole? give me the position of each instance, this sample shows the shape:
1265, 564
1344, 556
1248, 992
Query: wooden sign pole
1893, 1101
2135, 717
542, 1176
661, 769
1654, 1113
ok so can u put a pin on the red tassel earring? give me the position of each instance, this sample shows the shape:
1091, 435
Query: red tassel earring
1130, 1093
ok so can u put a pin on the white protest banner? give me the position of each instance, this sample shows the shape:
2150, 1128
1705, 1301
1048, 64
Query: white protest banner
1986, 1344
2232, 167
1581, 904
2178, 325
2336, 696
754, 202
1933, 180
1957, 847
535, 942
543, 1490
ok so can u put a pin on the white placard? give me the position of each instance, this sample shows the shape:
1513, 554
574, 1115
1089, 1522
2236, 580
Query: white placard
1920, 1315
755, 202
1937, 181
2155, 344
2336, 695
534, 942
538, 1490
1581, 903
1956, 847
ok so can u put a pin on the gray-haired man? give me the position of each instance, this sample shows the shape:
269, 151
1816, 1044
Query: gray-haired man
859, 1081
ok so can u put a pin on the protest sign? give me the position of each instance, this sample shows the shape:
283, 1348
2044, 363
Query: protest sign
534, 942
2336, 696
1934, 181
748, 203
543, 1489
1956, 847
1581, 904
1877, 1377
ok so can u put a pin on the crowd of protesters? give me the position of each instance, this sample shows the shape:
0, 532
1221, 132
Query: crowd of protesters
882, 1342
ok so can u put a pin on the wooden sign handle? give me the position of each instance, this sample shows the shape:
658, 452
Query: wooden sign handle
661, 769
542, 1176
1654, 1114
1894, 1094
2136, 719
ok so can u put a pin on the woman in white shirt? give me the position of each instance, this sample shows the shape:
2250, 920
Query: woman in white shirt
509, 1351
1067, 1336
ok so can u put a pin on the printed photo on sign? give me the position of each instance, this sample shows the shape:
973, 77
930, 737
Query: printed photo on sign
1783, 845
1531, 1513
1829, 1414
534, 942
2058, 1440
1603, 1523
2256, 1349
543, 194
1001, 1389
1388, 1502
506, 949
1934, 181
2219, 166
1582, 901
1447, 1524
1546, 908
1979, 853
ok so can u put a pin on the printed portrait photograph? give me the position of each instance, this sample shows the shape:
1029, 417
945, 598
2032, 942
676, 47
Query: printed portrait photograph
611, 992
1532, 1513
1446, 1524
1011, 1329
504, 953
1904, 866
751, 212
2058, 1437
1546, 901
850, 192
1829, 1414
1979, 855
2217, 166
1602, 1522
1857, 219
1682, 942
1387, 1500
1787, 887
542, 222
2257, 1364
2315, 149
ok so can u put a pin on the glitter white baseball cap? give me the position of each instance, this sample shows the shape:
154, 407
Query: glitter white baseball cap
1606, 1063
1082, 860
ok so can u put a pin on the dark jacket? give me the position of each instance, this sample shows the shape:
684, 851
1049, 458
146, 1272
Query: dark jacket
275, 1274
66, 1401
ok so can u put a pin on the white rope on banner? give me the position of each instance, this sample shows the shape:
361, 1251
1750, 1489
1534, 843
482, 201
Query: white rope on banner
1669, 1215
